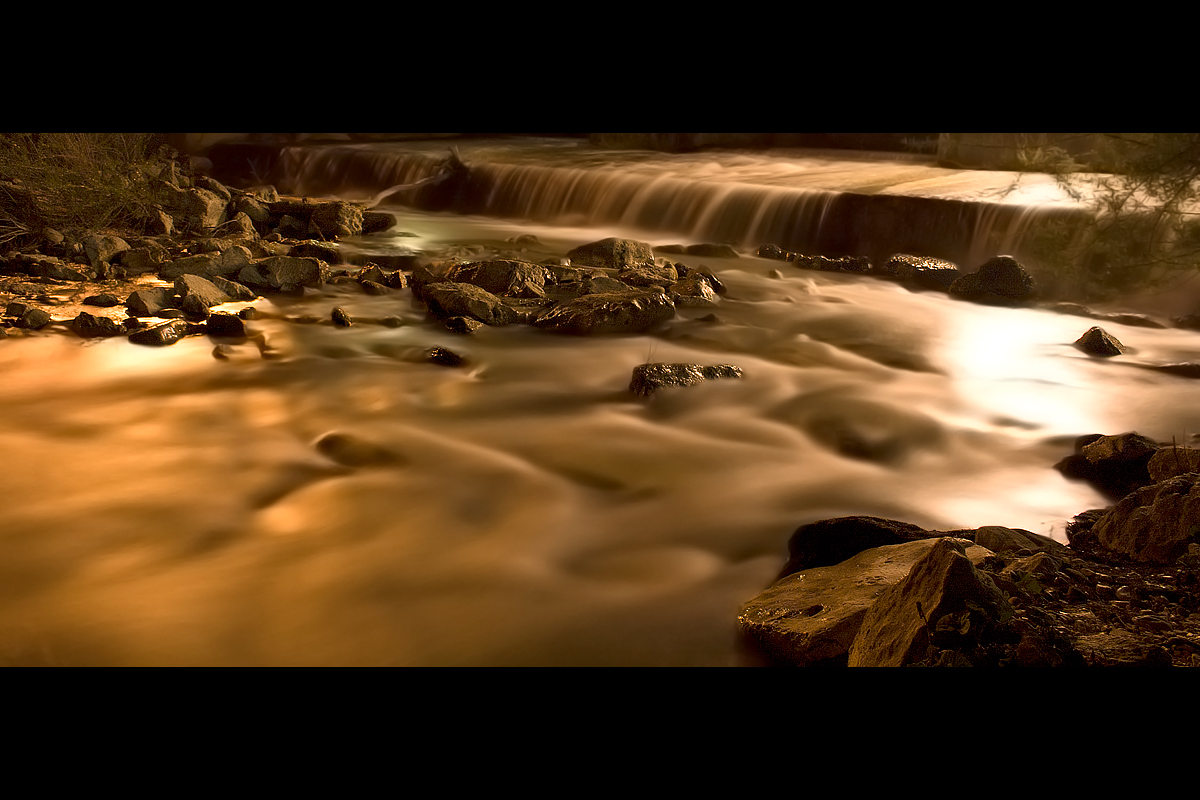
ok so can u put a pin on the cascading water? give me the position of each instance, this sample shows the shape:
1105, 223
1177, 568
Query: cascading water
164, 507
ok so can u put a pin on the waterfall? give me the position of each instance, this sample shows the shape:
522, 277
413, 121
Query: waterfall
817, 206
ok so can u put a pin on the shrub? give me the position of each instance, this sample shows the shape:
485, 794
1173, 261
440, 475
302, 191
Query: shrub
92, 181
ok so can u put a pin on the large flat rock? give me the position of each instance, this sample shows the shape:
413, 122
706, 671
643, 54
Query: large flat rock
812, 616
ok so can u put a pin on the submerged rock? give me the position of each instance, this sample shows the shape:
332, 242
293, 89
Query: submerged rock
649, 377
353, 451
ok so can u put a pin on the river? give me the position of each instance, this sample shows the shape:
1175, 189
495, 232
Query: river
167, 508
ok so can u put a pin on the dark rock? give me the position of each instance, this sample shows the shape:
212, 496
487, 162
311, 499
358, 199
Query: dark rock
284, 273
612, 253
774, 252
444, 357
194, 308
1116, 465
199, 290
943, 603
649, 275
338, 218
1000, 281
921, 272
373, 288
226, 326
1098, 342
649, 377
377, 221
28, 317
1154, 523
102, 249
1168, 462
446, 300
341, 319
324, 251
503, 278
102, 300
463, 325
617, 312
90, 326
232, 289
859, 264
149, 302
693, 290
167, 333
832, 541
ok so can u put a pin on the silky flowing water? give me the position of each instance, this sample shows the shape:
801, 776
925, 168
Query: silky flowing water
164, 507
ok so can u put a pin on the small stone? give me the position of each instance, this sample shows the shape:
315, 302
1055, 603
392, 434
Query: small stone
1099, 342
341, 318
444, 357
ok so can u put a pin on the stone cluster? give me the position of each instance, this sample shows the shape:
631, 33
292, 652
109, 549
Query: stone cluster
1125, 591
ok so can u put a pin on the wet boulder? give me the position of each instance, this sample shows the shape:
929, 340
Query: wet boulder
448, 299
775, 252
1098, 342
102, 249
610, 312
1154, 524
694, 289
149, 302
858, 264
1116, 465
999, 281
647, 378
232, 289
325, 251
284, 273
337, 218
943, 603
832, 541
814, 617
649, 275
612, 253
166, 334
921, 272
504, 278
91, 326
200, 290
198, 210
27, 316
1168, 462
226, 326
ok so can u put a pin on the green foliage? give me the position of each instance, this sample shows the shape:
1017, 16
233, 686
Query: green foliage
73, 180
1143, 231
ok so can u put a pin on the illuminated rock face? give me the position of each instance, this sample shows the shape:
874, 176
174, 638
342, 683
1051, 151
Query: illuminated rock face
1154, 524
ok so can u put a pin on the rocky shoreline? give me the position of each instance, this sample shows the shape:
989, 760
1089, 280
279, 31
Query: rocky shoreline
857, 591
